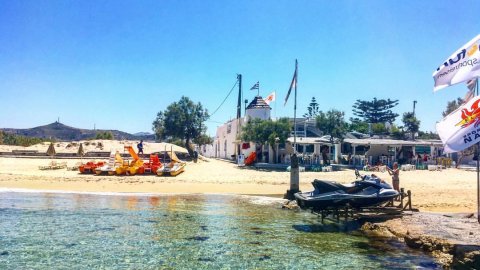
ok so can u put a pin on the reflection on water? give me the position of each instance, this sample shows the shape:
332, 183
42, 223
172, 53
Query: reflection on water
81, 231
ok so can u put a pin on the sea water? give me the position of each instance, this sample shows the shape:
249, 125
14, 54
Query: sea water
88, 231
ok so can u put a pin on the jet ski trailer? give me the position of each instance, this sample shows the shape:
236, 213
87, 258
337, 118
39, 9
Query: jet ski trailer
367, 194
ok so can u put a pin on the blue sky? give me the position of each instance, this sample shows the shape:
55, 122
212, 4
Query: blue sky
117, 63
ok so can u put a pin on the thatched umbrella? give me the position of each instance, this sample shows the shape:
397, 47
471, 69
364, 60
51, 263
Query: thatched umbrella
80, 151
51, 150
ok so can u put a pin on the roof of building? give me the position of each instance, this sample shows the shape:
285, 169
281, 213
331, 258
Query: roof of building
311, 140
369, 141
373, 141
258, 102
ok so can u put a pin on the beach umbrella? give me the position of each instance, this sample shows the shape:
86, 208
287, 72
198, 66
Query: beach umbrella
51, 150
80, 151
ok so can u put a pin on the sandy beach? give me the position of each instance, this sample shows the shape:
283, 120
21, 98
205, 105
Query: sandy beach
450, 190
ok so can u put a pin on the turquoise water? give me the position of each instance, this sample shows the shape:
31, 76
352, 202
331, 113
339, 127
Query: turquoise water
81, 231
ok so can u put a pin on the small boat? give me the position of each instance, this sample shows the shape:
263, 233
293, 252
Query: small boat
132, 167
90, 166
370, 191
114, 161
151, 166
174, 167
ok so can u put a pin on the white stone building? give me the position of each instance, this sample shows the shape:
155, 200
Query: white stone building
227, 143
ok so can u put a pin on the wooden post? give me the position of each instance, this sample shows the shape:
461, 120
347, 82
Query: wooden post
294, 178
401, 198
409, 193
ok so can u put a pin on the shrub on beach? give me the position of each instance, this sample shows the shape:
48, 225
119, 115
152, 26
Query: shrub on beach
100, 145
13, 139
106, 135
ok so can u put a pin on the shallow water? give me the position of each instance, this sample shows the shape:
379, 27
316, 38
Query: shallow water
82, 231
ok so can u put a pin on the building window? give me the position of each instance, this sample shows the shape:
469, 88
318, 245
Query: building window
309, 148
229, 128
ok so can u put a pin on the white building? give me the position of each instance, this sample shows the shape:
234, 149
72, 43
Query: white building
227, 143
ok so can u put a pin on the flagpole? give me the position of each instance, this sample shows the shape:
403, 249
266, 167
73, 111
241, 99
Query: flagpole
275, 95
295, 110
478, 173
294, 170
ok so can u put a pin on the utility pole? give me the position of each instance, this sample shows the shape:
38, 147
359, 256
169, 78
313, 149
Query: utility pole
413, 133
239, 111
239, 103
414, 102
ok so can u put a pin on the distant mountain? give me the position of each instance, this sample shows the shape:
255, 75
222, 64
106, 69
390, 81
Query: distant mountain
143, 134
63, 132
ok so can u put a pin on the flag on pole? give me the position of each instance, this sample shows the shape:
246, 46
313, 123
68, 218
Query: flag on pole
462, 65
255, 86
270, 98
293, 84
461, 129
469, 95
472, 86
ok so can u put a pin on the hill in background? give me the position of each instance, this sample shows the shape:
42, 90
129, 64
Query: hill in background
61, 132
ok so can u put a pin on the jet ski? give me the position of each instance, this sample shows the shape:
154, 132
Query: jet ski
369, 191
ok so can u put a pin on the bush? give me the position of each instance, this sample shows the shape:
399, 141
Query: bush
13, 139
106, 135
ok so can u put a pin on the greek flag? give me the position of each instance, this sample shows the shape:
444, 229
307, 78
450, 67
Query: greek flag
255, 86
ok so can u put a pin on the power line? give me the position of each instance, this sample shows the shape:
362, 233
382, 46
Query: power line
225, 98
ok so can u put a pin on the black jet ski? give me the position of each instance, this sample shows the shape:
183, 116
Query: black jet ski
369, 191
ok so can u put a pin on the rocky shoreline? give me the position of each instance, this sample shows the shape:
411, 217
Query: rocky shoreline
453, 239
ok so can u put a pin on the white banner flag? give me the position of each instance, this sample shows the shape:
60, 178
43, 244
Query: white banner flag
463, 65
270, 98
461, 128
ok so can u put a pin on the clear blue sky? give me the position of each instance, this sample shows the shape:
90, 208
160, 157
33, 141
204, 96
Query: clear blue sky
117, 63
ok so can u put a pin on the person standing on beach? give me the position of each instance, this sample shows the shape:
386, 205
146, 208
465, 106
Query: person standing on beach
140, 147
395, 173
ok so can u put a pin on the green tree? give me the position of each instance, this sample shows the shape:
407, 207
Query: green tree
358, 125
313, 109
375, 111
14, 139
379, 128
410, 123
397, 133
267, 131
105, 135
203, 139
452, 106
332, 123
428, 135
181, 120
